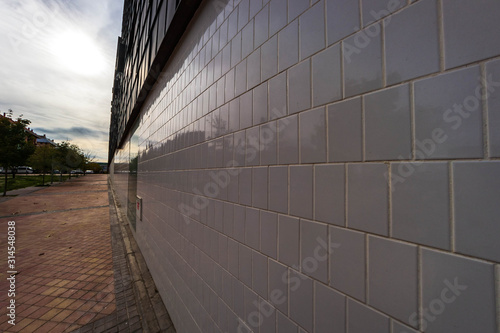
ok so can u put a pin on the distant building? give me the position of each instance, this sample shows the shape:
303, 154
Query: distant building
31, 136
313, 166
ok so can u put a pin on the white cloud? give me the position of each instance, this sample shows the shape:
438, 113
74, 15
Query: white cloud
42, 80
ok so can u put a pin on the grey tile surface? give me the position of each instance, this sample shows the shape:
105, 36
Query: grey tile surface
313, 239
299, 87
253, 69
269, 54
245, 186
348, 262
288, 46
246, 109
362, 62
285, 325
277, 15
241, 78
278, 286
374, 10
329, 310
252, 228
260, 104
326, 76
463, 22
476, 196
392, 277
407, 58
493, 86
252, 146
329, 198
362, 319
388, 124
262, 26
345, 137
448, 116
259, 274
421, 203
312, 30
245, 265
288, 240
278, 189
259, 187
301, 191
296, 7
268, 143
457, 292
342, 19
288, 140
301, 300
269, 233
367, 197
247, 39
312, 135
278, 96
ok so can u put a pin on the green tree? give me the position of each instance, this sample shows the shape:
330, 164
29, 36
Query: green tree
95, 167
14, 146
42, 159
68, 156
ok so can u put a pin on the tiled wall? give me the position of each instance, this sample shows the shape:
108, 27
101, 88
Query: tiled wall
327, 166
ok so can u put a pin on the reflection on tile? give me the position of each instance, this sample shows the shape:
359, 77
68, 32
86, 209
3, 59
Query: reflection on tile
288, 46
312, 30
448, 116
363, 62
326, 76
288, 140
387, 124
343, 19
407, 58
367, 197
464, 21
313, 136
299, 87
345, 131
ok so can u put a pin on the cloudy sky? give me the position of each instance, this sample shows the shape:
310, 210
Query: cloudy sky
57, 62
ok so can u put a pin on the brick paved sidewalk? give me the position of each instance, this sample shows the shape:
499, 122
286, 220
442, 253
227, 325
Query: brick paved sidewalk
74, 266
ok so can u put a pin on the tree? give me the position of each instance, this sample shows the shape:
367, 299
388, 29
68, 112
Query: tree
95, 167
14, 146
42, 159
68, 156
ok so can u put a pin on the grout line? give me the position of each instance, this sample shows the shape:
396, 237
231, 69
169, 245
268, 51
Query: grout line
367, 269
384, 60
451, 208
442, 51
346, 195
484, 100
342, 74
363, 129
497, 283
360, 5
389, 198
413, 154
420, 295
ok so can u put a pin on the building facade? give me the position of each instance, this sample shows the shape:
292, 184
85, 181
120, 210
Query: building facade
313, 166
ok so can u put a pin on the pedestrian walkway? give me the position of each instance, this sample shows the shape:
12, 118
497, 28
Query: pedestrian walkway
78, 268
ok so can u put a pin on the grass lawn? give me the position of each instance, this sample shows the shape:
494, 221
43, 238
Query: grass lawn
22, 181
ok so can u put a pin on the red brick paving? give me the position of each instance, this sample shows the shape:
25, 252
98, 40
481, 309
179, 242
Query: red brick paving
64, 259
